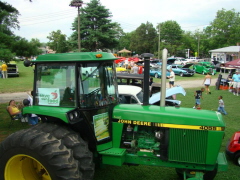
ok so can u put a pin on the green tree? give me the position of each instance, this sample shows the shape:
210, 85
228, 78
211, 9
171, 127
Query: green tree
97, 30
8, 18
224, 30
8, 21
124, 41
58, 42
144, 39
171, 35
22, 47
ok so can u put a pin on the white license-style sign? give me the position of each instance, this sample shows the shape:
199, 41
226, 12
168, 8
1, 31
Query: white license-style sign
49, 96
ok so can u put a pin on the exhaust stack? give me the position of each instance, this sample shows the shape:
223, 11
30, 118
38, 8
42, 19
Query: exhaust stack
163, 78
146, 57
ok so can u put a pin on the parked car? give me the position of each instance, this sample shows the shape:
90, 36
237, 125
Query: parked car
180, 60
233, 148
183, 70
156, 72
129, 94
218, 65
12, 69
192, 59
152, 64
204, 68
156, 61
121, 69
171, 60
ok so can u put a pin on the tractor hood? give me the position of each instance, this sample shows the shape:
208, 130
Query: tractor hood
169, 92
170, 115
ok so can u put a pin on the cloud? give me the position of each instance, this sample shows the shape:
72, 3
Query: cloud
41, 17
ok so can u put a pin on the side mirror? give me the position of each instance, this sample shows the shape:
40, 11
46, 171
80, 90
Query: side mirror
27, 63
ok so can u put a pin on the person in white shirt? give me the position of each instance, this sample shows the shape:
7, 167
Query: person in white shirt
207, 82
171, 78
221, 106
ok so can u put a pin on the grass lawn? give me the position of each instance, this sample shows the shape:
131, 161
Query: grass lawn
210, 102
22, 83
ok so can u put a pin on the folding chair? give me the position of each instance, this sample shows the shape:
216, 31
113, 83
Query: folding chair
12, 119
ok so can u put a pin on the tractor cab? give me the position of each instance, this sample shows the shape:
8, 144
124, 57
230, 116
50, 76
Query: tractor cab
79, 88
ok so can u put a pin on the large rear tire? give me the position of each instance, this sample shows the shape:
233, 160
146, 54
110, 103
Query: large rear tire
45, 151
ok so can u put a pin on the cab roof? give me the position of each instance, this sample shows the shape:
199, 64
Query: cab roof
79, 56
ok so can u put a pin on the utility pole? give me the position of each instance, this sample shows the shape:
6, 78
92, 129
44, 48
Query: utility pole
78, 4
159, 41
198, 44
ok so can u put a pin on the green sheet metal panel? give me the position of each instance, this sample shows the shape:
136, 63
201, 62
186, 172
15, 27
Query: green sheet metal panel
187, 145
113, 156
104, 146
58, 112
117, 129
79, 56
214, 144
202, 119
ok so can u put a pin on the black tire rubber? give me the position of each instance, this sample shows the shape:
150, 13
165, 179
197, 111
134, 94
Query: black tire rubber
59, 149
181, 74
236, 159
209, 175
156, 75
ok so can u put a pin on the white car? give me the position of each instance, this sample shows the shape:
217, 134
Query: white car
181, 61
129, 94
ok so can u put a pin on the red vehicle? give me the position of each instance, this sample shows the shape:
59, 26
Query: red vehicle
233, 148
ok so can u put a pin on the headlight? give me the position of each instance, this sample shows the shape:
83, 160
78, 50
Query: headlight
74, 116
71, 116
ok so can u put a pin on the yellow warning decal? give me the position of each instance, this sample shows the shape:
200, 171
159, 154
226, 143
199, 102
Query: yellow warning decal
177, 126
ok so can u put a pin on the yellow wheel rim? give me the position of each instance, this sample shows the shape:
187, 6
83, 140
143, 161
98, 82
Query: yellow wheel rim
23, 167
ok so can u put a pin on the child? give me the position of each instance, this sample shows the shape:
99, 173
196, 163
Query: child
221, 106
198, 96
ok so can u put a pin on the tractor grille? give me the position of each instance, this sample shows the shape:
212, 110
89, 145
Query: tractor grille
187, 145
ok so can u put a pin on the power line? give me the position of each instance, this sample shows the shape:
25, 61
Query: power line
46, 21
48, 15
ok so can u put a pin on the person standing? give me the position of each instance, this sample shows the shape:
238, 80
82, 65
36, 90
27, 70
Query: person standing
236, 83
126, 63
135, 69
171, 78
198, 96
207, 82
221, 106
4, 71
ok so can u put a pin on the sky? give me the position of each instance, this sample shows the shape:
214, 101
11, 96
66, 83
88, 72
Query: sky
40, 17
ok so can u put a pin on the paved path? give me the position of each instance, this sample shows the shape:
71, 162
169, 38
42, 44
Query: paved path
19, 96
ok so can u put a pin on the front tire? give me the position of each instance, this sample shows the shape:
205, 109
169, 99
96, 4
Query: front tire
208, 175
237, 159
156, 75
181, 74
45, 151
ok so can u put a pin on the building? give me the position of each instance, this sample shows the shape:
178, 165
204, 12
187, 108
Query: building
225, 54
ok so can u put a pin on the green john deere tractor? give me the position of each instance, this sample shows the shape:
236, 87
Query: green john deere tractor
82, 124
